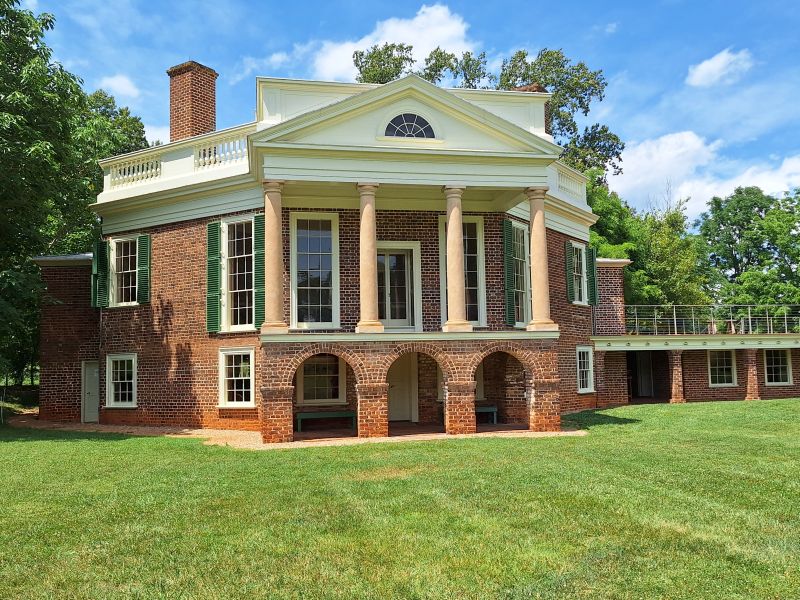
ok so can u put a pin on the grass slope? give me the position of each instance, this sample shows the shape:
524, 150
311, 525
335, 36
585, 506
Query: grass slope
686, 501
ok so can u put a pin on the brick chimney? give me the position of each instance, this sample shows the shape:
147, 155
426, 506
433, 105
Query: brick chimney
192, 100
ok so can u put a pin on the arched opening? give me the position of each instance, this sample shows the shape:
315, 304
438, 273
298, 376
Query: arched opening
325, 401
501, 393
415, 383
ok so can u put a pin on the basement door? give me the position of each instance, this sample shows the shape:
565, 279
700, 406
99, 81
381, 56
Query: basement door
90, 392
402, 381
644, 374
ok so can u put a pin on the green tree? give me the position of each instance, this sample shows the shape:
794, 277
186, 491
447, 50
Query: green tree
51, 136
613, 233
472, 70
437, 63
382, 64
751, 241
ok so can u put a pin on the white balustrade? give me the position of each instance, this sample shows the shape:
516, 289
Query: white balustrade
571, 184
136, 170
217, 152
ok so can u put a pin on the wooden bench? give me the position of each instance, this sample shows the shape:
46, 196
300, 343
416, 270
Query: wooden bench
492, 410
325, 415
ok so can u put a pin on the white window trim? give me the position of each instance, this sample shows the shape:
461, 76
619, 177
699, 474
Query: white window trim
112, 270
342, 400
591, 388
584, 280
735, 382
224, 309
527, 311
223, 402
481, 322
334, 219
109, 384
416, 265
788, 353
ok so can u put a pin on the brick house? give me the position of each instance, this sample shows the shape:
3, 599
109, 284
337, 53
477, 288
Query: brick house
365, 253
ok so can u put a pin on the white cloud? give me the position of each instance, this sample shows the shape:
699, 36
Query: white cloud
156, 133
693, 168
723, 67
32, 5
611, 28
260, 66
432, 26
119, 85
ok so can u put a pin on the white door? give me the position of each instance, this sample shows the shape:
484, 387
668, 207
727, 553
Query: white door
644, 371
403, 389
90, 389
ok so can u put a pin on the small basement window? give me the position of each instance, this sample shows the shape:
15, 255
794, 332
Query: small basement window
778, 367
721, 368
121, 381
236, 378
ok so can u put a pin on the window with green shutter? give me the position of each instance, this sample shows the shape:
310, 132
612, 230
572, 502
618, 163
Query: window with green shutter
508, 267
569, 262
213, 274
516, 256
100, 274
591, 276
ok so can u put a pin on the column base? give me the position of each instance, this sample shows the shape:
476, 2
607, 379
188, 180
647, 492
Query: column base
541, 326
455, 326
274, 328
369, 327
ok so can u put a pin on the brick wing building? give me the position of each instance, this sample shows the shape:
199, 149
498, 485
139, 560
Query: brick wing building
365, 254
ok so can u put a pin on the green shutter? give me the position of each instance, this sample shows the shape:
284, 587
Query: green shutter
508, 266
213, 275
143, 269
101, 258
258, 266
591, 275
569, 257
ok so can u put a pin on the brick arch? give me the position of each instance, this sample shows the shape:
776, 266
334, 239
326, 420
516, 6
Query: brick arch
523, 355
353, 360
443, 360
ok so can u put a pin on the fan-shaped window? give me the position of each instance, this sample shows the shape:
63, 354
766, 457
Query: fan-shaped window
409, 125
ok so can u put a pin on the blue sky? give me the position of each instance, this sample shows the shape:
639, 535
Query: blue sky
705, 94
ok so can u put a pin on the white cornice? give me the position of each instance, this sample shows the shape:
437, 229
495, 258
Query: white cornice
694, 342
613, 263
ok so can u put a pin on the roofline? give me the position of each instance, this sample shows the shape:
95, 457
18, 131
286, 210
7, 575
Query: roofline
64, 260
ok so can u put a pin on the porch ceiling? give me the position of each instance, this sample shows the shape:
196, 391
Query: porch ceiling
694, 342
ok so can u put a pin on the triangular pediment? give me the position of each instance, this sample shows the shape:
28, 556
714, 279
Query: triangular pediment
360, 121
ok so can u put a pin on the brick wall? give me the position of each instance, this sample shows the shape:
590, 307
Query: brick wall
695, 378
192, 100
69, 334
610, 309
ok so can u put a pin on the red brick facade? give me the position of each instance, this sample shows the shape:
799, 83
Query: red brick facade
192, 100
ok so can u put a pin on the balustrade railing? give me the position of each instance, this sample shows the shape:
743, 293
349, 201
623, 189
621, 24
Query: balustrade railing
712, 319
216, 152
570, 184
136, 170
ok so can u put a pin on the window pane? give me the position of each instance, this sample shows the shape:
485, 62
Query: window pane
519, 256
777, 366
721, 367
314, 249
240, 273
122, 380
321, 378
125, 269
237, 378
577, 261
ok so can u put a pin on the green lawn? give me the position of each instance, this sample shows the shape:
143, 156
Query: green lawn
691, 501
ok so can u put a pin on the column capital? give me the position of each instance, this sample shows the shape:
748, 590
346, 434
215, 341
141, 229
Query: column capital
453, 190
272, 185
536, 191
367, 187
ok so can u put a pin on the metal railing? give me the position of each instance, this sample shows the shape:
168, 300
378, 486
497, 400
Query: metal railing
722, 319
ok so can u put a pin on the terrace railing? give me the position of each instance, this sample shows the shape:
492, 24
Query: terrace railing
727, 319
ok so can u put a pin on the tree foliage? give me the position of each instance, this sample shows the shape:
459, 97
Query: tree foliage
382, 64
751, 241
51, 136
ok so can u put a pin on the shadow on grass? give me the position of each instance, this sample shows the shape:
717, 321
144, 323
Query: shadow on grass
594, 418
9, 433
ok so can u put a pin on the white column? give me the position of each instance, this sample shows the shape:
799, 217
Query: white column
274, 322
456, 301
368, 262
540, 279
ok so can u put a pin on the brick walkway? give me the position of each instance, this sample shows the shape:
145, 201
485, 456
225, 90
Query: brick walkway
251, 440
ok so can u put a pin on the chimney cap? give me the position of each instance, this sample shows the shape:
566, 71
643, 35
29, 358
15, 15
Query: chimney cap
531, 87
189, 65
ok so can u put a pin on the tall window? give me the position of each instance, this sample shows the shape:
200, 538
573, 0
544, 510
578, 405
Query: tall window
321, 380
236, 380
721, 368
315, 271
474, 283
778, 367
520, 256
239, 274
409, 125
121, 380
124, 274
585, 369
579, 272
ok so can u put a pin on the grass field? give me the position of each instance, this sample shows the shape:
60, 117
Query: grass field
685, 501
